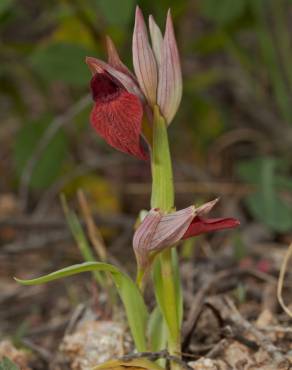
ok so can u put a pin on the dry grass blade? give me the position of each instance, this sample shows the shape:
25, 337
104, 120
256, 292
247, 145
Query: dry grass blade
93, 232
281, 281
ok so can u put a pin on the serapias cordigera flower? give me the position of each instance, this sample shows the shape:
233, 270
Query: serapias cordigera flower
121, 99
159, 231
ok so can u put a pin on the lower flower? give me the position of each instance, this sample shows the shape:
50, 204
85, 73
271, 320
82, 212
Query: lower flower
159, 231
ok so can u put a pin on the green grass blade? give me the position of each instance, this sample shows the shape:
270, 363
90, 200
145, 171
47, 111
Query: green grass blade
80, 238
7, 364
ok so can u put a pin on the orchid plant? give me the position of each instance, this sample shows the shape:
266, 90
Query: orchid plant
132, 112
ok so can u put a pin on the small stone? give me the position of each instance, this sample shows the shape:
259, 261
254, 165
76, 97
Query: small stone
93, 343
208, 364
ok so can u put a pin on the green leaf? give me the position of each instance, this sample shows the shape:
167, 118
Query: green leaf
270, 210
172, 317
249, 170
7, 364
62, 62
223, 11
178, 286
266, 203
50, 162
131, 297
270, 50
157, 331
5, 5
118, 13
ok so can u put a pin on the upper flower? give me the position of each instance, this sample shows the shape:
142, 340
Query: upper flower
121, 99
159, 231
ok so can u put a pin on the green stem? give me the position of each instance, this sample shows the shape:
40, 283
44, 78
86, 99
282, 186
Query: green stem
162, 197
139, 279
170, 300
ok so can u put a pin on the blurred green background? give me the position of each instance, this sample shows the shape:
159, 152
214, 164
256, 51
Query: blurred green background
232, 135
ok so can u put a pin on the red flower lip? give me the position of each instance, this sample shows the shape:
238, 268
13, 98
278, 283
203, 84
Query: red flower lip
117, 113
201, 225
104, 88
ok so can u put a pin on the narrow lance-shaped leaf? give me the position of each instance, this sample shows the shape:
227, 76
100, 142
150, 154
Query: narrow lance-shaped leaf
157, 331
130, 295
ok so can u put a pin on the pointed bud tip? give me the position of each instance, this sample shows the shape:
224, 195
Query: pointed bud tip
93, 65
169, 28
206, 207
193, 209
151, 18
140, 25
169, 17
214, 202
152, 24
138, 14
108, 41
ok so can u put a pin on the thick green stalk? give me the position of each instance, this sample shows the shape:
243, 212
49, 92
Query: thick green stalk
163, 197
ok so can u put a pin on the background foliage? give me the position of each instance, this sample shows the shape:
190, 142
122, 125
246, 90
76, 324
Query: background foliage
231, 138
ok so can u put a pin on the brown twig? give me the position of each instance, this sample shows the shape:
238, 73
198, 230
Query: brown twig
43, 353
93, 233
198, 301
196, 307
231, 316
217, 348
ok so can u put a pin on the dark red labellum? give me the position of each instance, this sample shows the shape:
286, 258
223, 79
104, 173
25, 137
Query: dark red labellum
200, 225
104, 87
117, 115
